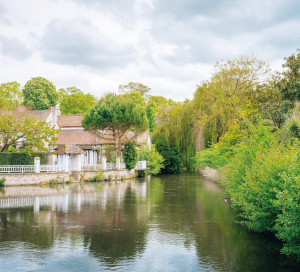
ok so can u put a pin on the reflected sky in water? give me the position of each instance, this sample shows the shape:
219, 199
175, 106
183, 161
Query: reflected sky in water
169, 223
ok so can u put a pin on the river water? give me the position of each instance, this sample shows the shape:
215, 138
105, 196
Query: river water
168, 223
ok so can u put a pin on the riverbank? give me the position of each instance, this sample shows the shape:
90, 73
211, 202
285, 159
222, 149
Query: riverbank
17, 179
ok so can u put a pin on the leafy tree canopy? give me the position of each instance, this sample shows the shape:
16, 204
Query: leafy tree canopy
74, 101
117, 114
10, 95
172, 158
290, 83
135, 87
19, 127
39, 94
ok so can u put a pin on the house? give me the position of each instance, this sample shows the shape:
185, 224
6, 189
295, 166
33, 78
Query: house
72, 133
73, 141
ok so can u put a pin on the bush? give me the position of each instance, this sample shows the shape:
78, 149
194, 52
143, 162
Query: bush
97, 178
2, 181
153, 158
262, 178
130, 155
21, 158
172, 158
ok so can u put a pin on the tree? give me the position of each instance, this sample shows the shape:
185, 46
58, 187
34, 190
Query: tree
39, 94
16, 127
10, 95
135, 87
171, 155
130, 155
290, 83
226, 97
117, 114
74, 101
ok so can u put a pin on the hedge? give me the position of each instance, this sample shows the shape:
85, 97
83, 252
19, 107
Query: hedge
21, 158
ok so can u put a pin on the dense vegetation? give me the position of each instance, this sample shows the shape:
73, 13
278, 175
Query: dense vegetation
258, 153
11, 158
130, 155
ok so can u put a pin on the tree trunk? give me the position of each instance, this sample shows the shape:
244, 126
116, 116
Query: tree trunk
119, 147
199, 139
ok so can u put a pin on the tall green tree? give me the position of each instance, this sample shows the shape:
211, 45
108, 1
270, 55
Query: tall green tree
10, 95
117, 114
39, 94
130, 155
223, 99
73, 101
290, 83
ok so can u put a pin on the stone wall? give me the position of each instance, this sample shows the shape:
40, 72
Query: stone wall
107, 174
33, 178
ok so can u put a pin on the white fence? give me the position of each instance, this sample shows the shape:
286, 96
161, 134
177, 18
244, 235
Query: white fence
16, 168
30, 168
141, 165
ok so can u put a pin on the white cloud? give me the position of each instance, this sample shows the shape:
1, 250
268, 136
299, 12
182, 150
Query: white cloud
169, 45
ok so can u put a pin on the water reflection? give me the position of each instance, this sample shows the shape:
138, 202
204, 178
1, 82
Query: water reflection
172, 223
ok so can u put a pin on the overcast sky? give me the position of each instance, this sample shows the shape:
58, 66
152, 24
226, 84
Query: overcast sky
168, 45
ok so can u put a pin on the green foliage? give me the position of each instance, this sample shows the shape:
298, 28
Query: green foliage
290, 83
219, 154
153, 158
287, 201
109, 153
21, 158
176, 126
130, 155
135, 87
74, 101
150, 109
2, 182
39, 94
117, 113
97, 178
172, 158
226, 97
10, 95
19, 126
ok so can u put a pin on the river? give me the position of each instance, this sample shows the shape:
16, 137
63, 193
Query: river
167, 223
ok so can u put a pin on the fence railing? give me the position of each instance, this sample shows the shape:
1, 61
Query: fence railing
16, 168
141, 165
31, 168
52, 168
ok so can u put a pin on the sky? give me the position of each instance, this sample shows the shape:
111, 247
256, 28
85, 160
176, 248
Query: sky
169, 45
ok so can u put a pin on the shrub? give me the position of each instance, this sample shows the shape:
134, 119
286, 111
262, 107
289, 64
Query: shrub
98, 177
262, 178
2, 181
153, 158
130, 155
21, 158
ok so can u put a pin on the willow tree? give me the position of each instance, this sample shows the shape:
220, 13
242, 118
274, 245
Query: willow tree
226, 97
116, 114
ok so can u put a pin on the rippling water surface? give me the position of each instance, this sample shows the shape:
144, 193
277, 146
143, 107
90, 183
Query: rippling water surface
171, 223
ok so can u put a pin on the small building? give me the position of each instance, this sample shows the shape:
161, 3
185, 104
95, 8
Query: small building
72, 133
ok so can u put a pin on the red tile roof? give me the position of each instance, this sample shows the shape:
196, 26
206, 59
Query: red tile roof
81, 137
69, 120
